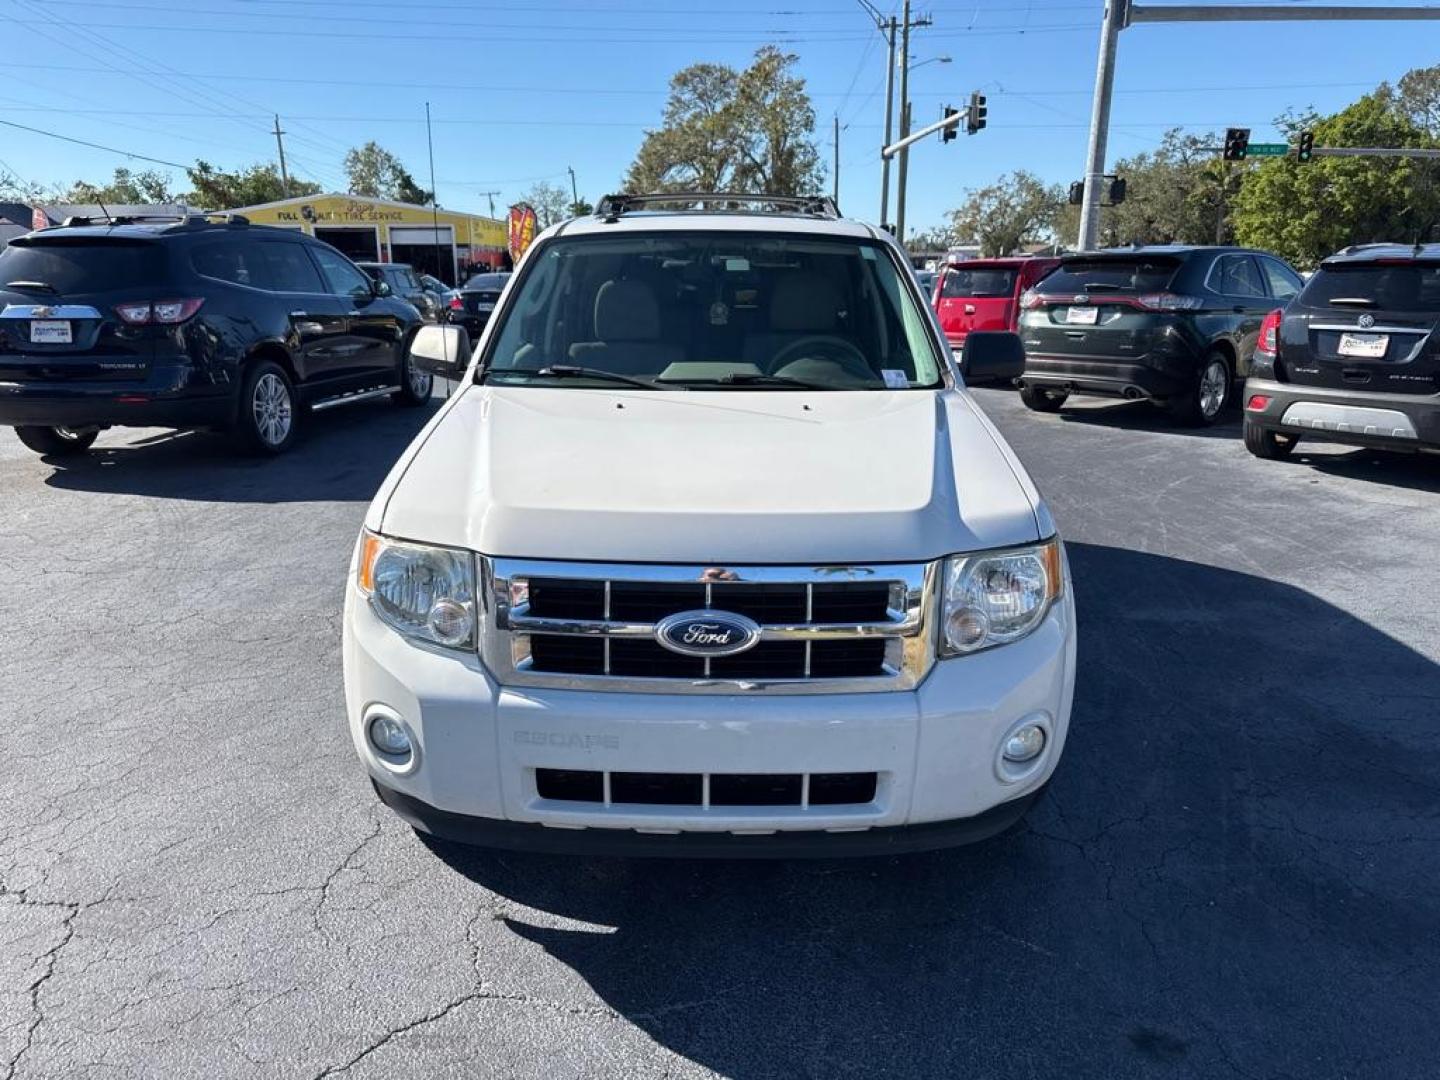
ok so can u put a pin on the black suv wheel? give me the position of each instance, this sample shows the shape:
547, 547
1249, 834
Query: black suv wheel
267, 420
1041, 399
1211, 393
57, 441
415, 385
1269, 444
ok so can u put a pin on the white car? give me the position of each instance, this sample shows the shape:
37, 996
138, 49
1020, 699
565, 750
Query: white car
711, 553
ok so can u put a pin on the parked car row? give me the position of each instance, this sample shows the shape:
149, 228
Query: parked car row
1349, 354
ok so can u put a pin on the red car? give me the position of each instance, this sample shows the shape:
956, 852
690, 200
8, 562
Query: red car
984, 294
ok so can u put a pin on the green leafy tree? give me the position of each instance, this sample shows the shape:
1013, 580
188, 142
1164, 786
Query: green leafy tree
1306, 211
580, 207
1016, 210
550, 203
125, 188
375, 172
215, 189
13, 189
728, 130
1418, 98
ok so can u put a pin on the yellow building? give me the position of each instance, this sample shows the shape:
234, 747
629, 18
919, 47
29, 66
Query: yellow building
445, 243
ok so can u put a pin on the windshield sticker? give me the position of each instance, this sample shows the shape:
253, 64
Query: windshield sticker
895, 379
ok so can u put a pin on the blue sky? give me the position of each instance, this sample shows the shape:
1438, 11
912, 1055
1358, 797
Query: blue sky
522, 89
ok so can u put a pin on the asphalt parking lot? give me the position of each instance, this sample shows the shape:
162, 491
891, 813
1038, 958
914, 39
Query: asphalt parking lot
1233, 873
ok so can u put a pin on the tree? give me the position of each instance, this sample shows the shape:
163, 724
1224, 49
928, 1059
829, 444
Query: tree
126, 188
13, 189
259, 183
1418, 99
938, 238
724, 130
1015, 210
549, 201
580, 207
375, 172
1306, 211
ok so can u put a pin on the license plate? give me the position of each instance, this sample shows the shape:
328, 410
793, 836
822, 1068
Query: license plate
1083, 316
1367, 346
50, 332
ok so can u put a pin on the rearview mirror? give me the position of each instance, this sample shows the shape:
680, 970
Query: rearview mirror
441, 349
992, 356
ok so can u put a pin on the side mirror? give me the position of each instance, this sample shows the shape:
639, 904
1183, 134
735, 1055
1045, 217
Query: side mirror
992, 355
382, 288
441, 349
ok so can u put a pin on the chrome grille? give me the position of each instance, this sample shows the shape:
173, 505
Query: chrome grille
822, 629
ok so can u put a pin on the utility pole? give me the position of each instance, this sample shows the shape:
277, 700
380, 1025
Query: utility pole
435, 205
491, 196
1120, 14
905, 28
887, 26
835, 188
280, 143
574, 192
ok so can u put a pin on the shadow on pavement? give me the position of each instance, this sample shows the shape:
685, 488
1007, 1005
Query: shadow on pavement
1233, 874
1420, 472
1144, 416
341, 455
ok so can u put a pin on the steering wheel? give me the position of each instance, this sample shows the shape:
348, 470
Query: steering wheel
828, 349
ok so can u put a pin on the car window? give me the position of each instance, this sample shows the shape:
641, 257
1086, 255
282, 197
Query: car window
235, 261
1385, 286
707, 307
287, 269
341, 275
79, 265
1284, 282
1235, 275
1140, 273
979, 282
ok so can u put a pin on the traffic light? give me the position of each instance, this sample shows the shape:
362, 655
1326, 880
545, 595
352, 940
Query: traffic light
975, 114
1306, 150
1077, 193
1117, 191
948, 133
1237, 142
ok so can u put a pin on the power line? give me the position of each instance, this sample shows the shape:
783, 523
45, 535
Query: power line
94, 145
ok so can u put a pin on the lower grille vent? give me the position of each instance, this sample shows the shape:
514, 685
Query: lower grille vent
688, 789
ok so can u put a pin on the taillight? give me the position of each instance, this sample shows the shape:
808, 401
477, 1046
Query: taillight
456, 304
1165, 301
1258, 402
1030, 300
164, 312
1269, 342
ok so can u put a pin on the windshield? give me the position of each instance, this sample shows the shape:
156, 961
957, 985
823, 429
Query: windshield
1140, 274
978, 282
1395, 287
757, 310
81, 267
486, 283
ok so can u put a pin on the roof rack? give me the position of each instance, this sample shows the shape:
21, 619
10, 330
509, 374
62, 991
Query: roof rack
194, 217
611, 207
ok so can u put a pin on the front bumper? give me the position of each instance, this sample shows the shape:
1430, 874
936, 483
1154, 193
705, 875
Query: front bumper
1353, 417
935, 749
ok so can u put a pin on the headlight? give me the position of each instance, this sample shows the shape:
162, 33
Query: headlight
427, 593
998, 596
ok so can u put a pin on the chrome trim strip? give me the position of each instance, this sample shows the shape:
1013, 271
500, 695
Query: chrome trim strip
1352, 329
52, 311
910, 642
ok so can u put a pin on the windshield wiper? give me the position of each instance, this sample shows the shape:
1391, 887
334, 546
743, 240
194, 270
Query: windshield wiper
745, 378
574, 371
1356, 301
33, 286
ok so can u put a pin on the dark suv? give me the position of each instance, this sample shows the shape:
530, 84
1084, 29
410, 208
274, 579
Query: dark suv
406, 284
1174, 325
1355, 358
190, 323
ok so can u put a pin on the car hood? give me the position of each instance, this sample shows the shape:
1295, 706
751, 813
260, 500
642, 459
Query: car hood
710, 477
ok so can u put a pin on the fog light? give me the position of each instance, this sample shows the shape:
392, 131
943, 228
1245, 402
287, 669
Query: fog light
1024, 744
449, 621
388, 736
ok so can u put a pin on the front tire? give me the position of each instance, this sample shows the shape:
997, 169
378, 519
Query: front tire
1211, 393
1040, 399
267, 420
416, 386
57, 441
1267, 444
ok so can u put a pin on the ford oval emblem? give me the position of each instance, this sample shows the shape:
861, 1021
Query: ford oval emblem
707, 633
1082, 298
1366, 321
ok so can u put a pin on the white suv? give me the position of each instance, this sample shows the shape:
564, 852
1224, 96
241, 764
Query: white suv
711, 552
